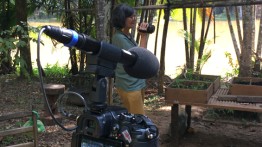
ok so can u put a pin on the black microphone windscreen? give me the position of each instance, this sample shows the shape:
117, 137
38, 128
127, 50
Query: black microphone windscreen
146, 65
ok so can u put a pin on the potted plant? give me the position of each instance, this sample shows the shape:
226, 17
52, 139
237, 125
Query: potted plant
201, 77
186, 91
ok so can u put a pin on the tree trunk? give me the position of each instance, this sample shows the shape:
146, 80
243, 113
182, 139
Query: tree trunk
200, 63
240, 38
163, 51
259, 46
6, 11
246, 52
101, 19
186, 39
237, 50
191, 63
82, 20
202, 41
157, 29
5, 23
72, 51
25, 54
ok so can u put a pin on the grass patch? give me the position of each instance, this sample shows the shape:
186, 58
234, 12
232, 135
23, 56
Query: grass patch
153, 102
54, 71
232, 115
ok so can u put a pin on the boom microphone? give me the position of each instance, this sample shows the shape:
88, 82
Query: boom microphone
138, 62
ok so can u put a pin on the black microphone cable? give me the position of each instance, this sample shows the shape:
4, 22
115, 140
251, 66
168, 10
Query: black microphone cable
61, 107
44, 92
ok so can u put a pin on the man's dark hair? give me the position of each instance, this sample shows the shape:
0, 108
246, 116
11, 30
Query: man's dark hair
119, 15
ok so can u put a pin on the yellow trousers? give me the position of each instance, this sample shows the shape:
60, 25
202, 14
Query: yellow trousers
133, 101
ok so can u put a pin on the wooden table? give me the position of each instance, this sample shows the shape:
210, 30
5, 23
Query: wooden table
213, 102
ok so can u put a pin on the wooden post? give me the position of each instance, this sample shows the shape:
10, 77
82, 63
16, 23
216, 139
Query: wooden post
53, 92
188, 111
35, 130
23, 129
175, 123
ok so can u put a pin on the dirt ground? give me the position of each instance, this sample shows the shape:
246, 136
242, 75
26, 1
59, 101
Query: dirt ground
19, 95
207, 132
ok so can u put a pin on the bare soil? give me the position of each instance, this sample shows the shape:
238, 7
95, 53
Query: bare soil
19, 95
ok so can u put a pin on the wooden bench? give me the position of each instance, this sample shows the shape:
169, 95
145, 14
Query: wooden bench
21, 130
213, 102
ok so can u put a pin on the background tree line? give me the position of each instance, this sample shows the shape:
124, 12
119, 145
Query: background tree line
85, 16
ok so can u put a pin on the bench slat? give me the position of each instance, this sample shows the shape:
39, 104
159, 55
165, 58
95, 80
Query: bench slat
28, 144
16, 131
15, 115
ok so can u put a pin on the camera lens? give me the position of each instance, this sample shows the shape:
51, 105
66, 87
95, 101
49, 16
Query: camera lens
150, 29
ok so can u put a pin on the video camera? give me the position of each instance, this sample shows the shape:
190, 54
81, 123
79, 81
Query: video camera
109, 126
150, 29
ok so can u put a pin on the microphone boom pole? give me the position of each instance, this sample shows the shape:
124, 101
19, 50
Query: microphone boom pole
137, 62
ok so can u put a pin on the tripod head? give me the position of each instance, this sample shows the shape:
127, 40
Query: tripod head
101, 68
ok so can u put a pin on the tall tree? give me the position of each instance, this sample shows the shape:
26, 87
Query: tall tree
246, 46
14, 34
102, 19
248, 40
7, 16
25, 54
163, 52
259, 45
102, 24
69, 23
233, 37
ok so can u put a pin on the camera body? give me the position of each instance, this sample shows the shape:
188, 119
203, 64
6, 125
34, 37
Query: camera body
110, 126
115, 127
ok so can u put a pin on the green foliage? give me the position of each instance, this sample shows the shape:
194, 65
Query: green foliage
207, 54
232, 115
16, 139
197, 77
189, 85
129, 2
216, 113
177, 14
7, 140
207, 51
7, 11
33, 32
153, 102
9, 43
7, 14
54, 71
235, 67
